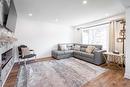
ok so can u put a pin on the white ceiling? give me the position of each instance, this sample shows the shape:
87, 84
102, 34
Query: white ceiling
70, 12
126, 3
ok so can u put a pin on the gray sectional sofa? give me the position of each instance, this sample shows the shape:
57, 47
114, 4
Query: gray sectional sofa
96, 57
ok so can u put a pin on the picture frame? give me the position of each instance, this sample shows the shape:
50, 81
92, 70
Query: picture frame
4, 8
1, 19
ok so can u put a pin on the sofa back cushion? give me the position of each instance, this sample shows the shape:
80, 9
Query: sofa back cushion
81, 47
63, 47
99, 47
70, 46
67, 46
77, 47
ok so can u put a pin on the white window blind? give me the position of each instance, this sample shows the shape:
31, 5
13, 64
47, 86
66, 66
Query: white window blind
98, 35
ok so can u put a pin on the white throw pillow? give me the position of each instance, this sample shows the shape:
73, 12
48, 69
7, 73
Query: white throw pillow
77, 47
63, 47
90, 49
25, 51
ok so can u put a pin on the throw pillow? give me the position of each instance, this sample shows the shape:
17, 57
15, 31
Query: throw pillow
69, 46
63, 47
25, 51
77, 47
83, 49
90, 49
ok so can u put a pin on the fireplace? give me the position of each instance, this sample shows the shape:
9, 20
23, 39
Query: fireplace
6, 57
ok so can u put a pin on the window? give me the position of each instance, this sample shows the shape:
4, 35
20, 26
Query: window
98, 35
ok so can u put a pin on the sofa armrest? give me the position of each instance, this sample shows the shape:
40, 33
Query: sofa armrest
100, 51
98, 55
56, 53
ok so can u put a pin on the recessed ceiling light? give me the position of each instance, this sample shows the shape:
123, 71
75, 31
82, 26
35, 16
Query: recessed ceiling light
30, 14
106, 14
84, 2
57, 20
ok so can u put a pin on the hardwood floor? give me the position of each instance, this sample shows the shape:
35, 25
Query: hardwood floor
111, 78
12, 78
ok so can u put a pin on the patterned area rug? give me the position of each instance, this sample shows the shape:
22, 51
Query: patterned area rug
69, 72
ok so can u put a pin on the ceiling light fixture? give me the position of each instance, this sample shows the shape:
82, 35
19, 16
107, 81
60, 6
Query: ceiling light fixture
84, 2
56, 20
106, 14
30, 14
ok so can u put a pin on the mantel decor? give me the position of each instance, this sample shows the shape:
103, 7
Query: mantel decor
8, 39
121, 38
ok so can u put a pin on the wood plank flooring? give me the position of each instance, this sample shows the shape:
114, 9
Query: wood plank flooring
111, 78
12, 78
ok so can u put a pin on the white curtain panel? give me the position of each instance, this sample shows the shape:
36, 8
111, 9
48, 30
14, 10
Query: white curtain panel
97, 35
114, 33
112, 36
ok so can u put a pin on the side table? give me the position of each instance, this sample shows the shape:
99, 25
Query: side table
115, 58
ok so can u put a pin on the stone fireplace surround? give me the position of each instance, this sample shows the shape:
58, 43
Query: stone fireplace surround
6, 57
6, 45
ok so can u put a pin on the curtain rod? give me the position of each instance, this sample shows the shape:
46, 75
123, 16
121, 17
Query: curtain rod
94, 25
117, 20
115, 17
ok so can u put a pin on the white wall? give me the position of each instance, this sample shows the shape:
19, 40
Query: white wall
42, 36
77, 35
127, 70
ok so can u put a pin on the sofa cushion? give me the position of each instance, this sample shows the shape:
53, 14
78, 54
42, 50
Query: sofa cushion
70, 46
99, 47
77, 47
95, 50
84, 46
59, 52
87, 55
63, 47
77, 52
68, 51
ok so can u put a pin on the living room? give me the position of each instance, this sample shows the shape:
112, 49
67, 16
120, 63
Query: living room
59, 32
